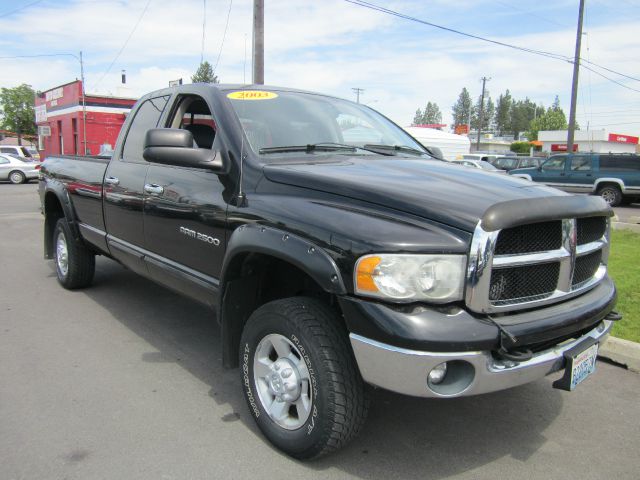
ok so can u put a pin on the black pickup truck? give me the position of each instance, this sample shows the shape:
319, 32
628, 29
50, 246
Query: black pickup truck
337, 253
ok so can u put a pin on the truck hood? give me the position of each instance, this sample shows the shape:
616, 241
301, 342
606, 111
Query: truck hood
449, 194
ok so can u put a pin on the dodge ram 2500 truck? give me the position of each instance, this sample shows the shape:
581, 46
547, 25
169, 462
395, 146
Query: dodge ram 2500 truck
337, 253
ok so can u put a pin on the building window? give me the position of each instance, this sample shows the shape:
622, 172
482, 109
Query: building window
74, 128
60, 139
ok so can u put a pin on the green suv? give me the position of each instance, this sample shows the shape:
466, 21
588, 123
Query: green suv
615, 177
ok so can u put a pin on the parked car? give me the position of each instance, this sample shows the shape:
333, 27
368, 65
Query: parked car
17, 150
18, 169
511, 163
485, 157
479, 164
615, 177
330, 265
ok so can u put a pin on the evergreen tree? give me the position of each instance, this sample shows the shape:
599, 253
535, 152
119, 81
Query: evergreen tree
488, 113
503, 114
430, 115
462, 109
204, 74
417, 119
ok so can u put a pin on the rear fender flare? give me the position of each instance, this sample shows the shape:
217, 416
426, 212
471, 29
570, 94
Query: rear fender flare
57, 189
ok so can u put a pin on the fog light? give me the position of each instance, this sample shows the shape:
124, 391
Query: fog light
438, 373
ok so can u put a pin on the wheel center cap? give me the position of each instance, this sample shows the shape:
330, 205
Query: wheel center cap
284, 380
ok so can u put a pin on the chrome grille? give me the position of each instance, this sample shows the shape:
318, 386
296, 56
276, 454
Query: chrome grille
586, 267
535, 264
535, 237
515, 284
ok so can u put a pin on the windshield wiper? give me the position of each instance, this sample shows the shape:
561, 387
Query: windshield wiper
309, 148
395, 148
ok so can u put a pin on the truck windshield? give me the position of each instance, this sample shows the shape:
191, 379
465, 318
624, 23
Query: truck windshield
278, 123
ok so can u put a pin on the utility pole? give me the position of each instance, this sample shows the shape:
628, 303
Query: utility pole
481, 116
574, 87
258, 42
84, 107
358, 92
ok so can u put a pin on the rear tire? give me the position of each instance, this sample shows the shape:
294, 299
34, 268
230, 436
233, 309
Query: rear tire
611, 194
75, 263
300, 379
17, 177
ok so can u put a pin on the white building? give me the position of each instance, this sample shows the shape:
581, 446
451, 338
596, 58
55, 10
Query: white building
600, 141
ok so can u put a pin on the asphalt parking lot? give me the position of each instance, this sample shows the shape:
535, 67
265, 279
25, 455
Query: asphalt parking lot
124, 381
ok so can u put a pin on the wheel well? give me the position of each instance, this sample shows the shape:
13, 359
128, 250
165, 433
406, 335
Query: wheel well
601, 185
52, 213
251, 280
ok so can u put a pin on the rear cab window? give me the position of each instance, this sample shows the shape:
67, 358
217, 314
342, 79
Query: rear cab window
146, 117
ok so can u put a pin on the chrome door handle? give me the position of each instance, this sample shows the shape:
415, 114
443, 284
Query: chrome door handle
112, 180
152, 188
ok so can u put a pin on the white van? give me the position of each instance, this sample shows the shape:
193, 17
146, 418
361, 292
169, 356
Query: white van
452, 146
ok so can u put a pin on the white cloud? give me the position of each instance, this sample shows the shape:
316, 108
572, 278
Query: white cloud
328, 46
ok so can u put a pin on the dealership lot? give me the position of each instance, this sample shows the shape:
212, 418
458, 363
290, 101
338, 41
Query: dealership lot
123, 380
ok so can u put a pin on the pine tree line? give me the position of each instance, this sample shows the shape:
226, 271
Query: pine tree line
506, 117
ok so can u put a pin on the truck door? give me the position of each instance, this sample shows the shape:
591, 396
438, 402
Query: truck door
123, 188
185, 212
580, 174
552, 171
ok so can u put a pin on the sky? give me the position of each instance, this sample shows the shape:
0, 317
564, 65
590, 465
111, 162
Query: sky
333, 46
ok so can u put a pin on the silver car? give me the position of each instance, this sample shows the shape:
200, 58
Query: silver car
18, 169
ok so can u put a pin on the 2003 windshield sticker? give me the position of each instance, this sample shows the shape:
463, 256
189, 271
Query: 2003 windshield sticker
252, 95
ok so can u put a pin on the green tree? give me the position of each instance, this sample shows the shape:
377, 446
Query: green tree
461, 110
488, 113
503, 114
552, 119
17, 110
204, 74
430, 115
417, 119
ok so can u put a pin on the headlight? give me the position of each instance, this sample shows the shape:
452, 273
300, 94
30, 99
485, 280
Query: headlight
411, 278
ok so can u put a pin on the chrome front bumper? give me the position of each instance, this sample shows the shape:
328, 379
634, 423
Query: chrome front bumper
471, 373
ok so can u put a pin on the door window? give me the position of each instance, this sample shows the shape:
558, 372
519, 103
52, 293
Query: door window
146, 117
580, 164
193, 114
554, 164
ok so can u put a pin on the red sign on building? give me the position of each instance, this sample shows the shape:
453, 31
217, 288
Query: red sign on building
562, 147
462, 129
62, 129
618, 138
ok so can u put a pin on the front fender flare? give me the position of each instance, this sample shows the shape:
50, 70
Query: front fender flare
235, 305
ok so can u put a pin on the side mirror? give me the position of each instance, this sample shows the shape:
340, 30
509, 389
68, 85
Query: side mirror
436, 152
174, 146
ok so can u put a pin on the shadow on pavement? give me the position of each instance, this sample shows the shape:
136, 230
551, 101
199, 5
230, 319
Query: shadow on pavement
404, 437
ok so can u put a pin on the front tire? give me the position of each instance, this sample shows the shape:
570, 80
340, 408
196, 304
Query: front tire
16, 177
75, 263
611, 194
300, 379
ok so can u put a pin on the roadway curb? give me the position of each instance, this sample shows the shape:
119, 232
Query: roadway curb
621, 351
634, 227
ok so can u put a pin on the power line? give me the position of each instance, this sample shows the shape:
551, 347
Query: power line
126, 42
532, 14
378, 8
20, 8
556, 56
224, 35
614, 124
610, 79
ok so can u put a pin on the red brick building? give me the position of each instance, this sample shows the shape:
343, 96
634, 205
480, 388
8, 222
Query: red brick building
60, 126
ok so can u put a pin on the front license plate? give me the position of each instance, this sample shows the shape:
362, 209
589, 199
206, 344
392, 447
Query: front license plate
580, 362
583, 365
